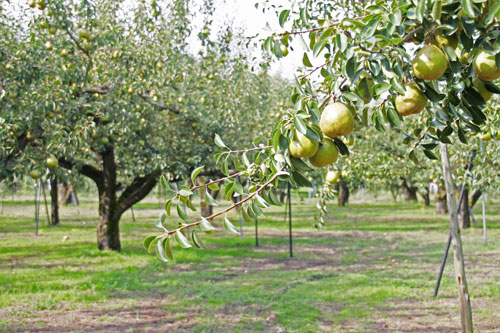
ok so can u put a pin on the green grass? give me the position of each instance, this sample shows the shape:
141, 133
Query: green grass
372, 268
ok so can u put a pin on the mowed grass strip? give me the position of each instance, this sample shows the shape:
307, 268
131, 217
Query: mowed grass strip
372, 268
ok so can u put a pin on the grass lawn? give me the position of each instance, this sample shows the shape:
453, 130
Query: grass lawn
372, 269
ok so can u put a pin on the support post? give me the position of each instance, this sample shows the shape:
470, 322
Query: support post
460, 199
290, 220
484, 218
458, 258
241, 225
37, 205
257, 232
132, 211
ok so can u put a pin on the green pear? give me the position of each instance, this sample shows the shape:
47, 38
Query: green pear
413, 101
302, 147
429, 63
52, 162
327, 154
336, 120
332, 177
35, 174
485, 66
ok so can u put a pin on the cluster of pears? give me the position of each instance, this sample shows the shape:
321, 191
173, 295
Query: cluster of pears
430, 63
336, 120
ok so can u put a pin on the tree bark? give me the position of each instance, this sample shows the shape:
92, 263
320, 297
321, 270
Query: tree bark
475, 197
458, 258
464, 214
343, 193
112, 207
441, 205
409, 191
206, 209
426, 197
54, 200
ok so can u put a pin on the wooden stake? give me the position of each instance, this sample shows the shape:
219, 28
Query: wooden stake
458, 257
132, 211
484, 218
45, 200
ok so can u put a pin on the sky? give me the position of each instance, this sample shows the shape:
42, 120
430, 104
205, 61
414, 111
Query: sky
253, 21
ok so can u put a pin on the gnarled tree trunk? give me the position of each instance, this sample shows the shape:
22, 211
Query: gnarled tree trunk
426, 196
475, 197
54, 200
409, 191
343, 193
112, 207
441, 204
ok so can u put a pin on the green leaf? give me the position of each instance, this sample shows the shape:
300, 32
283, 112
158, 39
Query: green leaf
196, 172
168, 249
182, 240
163, 217
244, 214
283, 16
341, 146
262, 203
488, 19
181, 211
413, 158
219, 142
168, 206
214, 187
229, 227
306, 61
147, 241
299, 125
468, 6
430, 154
436, 10
197, 240
185, 191
159, 225
205, 225
160, 252
420, 10
210, 200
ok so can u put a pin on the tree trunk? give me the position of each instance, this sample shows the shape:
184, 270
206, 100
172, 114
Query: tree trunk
464, 214
441, 205
108, 230
475, 197
206, 209
112, 207
426, 197
409, 191
343, 193
54, 200
68, 196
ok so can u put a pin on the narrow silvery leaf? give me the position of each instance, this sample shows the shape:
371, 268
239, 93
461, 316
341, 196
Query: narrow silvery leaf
182, 240
229, 227
196, 172
219, 142
205, 225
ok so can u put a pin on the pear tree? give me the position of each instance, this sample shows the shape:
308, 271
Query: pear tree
360, 57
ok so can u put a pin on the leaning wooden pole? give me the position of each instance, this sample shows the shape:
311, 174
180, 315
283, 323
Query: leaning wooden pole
458, 257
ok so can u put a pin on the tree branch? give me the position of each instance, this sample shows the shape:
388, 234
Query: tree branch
136, 191
86, 170
230, 207
160, 106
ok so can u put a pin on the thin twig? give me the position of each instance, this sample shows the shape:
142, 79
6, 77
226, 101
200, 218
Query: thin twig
246, 150
315, 69
158, 105
216, 181
230, 207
